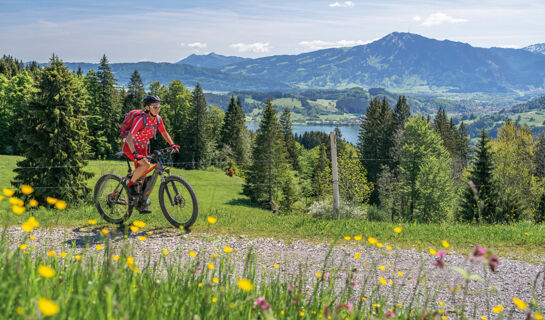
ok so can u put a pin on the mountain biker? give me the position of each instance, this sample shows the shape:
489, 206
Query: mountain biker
135, 145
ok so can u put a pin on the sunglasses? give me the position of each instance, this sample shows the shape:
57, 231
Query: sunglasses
156, 107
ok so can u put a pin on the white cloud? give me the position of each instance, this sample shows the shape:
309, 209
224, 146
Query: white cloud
197, 45
439, 18
252, 47
417, 18
320, 44
346, 4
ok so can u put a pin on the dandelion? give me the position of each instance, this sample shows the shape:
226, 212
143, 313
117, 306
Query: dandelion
18, 209
1, 197
382, 281
444, 317
432, 252
192, 254
23, 246
398, 229
357, 255
483, 318
388, 247
302, 314
165, 252
26, 189
214, 256
47, 307
538, 316
276, 266
497, 309
358, 238
519, 303
214, 300
347, 238
142, 238
105, 231
61, 204
211, 219
227, 249
20, 310
32, 238
8, 192
134, 228
526, 234
78, 257
51, 200
399, 273
215, 280
211, 266
116, 257
318, 275
63, 254
372, 240
245, 284
441, 311
99, 247
199, 285
33, 203
51, 253
379, 245
445, 244
382, 268
91, 221
46, 272
150, 233
130, 263
139, 224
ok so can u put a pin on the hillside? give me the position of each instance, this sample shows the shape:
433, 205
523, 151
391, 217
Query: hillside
536, 48
211, 60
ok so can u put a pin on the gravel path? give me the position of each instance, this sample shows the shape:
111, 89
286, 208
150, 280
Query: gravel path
513, 278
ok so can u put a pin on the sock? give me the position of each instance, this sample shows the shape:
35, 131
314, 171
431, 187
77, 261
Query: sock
130, 184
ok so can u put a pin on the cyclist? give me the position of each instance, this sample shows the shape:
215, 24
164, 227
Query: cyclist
135, 145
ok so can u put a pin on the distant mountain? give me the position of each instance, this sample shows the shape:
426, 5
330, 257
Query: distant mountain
536, 48
211, 60
404, 61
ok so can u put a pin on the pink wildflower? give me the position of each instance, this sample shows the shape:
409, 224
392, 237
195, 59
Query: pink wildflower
493, 262
262, 303
441, 253
479, 251
389, 314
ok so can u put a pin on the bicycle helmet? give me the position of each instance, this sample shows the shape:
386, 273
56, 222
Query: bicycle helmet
148, 100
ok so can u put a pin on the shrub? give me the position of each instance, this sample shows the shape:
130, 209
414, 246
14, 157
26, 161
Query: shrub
374, 213
324, 209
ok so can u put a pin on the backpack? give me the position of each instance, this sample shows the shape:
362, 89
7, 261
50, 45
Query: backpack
129, 120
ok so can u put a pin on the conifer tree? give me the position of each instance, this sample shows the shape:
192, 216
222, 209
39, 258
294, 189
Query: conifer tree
321, 178
265, 175
98, 142
289, 139
402, 112
232, 130
539, 158
135, 93
200, 143
480, 207
54, 137
179, 101
109, 107
462, 145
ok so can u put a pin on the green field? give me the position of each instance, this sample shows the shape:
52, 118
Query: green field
220, 196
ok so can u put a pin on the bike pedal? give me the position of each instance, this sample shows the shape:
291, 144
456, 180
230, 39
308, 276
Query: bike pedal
145, 211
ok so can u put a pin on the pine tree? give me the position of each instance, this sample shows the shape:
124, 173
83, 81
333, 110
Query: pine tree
54, 137
480, 199
98, 142
289, 139
463, 147
402, 113
539, 215
539, 158
232, 130
109, 107
135, 94
264, 178
200, 143
321, 178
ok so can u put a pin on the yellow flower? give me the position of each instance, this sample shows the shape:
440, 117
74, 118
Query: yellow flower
192, 254
358, 238
100, 247
302, 314
211, 220
214, 256
199, 285
46, 271
150, 233
51, 253
134, 228
26, 189
165, 252
91, 221
372, 240
18, 209
245, 284
382, 268
78, 257
215, 280
347, 238
8, 192
1, 197
318, 275
61, 204
526, 234
227, 249
130, 263
141, 238
276, 266
211, 266
398, 229
399, 273
364, 298
32, 238
51, 200
519, 303
433, 252
444, 317
214, 300
441, 311
379, 245
445, 244
33, 203
63, 254
105, 231
441, 303
47, 307
382, 281
484, 317
139, 224
388, 247
538, 316
30, 224
20, 310
23, 246
357, 255
497, 309
116, 257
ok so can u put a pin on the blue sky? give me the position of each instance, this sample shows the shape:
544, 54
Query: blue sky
167, 31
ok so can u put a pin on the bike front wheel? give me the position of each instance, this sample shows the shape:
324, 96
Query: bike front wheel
111, 199
178, 202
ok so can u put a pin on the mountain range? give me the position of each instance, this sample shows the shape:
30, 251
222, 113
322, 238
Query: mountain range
536, 48
401, 62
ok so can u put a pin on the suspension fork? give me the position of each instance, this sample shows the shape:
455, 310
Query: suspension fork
172, 201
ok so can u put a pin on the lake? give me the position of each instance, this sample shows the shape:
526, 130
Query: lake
349, 133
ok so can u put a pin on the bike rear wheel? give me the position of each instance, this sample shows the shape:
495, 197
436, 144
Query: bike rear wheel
112, 199
178, 202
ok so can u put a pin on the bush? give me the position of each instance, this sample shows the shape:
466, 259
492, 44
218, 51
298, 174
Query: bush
324, 209
374, 213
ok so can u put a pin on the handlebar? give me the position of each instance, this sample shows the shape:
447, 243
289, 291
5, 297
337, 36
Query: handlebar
158, 153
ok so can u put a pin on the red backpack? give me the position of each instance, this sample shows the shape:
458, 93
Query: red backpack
129, 120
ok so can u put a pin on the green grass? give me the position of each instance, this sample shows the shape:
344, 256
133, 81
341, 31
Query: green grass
221, 196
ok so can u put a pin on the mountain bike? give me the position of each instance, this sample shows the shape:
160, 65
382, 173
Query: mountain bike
176, 197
